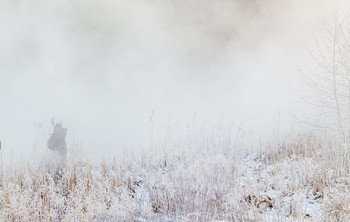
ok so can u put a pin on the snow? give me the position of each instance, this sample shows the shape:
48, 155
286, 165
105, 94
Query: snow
180, 185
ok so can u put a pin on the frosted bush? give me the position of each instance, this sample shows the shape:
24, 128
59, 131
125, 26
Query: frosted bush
185, 185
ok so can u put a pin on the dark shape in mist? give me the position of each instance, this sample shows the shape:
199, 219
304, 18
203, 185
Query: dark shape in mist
57, 141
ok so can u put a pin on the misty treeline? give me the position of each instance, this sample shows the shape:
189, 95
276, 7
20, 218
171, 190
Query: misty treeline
327, 77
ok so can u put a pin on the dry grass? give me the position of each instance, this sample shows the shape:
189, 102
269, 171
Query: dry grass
282, 183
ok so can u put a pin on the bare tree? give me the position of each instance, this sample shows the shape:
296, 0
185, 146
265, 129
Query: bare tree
328, 77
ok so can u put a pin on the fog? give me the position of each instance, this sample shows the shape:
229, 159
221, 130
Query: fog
103, 68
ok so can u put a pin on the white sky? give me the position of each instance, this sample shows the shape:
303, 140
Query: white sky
101, 67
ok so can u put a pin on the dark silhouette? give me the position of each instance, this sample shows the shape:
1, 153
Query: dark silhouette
57, 141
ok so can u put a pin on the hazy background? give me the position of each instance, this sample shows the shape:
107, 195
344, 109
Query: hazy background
102, 67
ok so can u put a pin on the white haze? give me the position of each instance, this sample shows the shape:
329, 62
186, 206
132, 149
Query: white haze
102, 67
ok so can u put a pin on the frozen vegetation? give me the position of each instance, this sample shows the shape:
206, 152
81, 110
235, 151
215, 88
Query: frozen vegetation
101, 66
303, 179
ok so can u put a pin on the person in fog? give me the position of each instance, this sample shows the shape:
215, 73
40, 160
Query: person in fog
57, 144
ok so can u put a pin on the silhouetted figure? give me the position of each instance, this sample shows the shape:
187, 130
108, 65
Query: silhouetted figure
57, 141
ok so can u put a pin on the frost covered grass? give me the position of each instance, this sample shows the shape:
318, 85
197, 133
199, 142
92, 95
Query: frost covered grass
303, 179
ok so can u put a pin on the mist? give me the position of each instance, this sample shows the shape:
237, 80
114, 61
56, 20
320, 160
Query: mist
103, 68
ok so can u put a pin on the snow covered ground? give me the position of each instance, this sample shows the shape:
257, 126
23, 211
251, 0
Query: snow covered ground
304, 179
